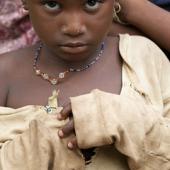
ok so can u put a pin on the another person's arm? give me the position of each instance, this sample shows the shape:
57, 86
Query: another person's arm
149, 19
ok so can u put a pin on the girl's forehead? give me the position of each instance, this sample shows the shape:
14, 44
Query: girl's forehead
72, 0
68, 4
68, 1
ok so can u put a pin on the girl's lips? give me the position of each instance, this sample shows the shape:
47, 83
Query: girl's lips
73, 48
76, 44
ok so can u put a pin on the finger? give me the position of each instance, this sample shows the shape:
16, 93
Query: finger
67, 130
65, 113
72, 144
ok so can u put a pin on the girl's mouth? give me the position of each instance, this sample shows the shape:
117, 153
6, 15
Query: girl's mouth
74, 44
74, 48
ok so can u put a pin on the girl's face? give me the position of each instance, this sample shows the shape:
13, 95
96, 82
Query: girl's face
72, 29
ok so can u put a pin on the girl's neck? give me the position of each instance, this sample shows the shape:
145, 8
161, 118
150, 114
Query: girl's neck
48, 58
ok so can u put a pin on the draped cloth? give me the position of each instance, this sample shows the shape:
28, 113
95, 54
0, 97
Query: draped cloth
130, 131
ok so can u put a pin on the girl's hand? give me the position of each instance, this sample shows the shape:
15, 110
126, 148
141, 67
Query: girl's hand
68, 129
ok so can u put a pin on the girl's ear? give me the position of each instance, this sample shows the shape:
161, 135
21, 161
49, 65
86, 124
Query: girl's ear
25, 4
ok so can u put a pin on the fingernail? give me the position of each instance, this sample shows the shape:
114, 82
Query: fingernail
70, 145
60, 133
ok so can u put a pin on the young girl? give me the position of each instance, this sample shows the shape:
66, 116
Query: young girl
116, 89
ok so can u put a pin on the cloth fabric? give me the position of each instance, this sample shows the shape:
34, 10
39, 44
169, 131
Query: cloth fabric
162, 3
15, 27
130, 131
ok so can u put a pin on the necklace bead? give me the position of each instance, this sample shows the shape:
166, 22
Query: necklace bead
53, 81
61, 75
45, 76
38, 72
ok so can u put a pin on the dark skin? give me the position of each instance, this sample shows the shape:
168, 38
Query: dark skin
70, 22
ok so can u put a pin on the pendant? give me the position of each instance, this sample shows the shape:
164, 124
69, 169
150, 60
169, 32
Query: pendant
53, 107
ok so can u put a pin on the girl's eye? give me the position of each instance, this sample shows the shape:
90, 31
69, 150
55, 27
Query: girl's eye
93, 5
52, 5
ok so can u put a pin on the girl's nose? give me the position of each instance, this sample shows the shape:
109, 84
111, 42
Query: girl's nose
73, 26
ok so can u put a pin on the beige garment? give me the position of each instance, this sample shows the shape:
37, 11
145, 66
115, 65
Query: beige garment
132, 129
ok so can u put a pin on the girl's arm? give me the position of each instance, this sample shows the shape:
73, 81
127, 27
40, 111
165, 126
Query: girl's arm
148, 18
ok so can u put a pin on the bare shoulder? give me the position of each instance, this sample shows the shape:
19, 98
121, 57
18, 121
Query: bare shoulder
10, 65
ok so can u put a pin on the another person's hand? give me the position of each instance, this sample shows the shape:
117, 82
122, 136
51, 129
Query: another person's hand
68, 129
128, 7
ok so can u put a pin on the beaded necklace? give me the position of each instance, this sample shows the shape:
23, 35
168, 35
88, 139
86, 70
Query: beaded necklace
61, 75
